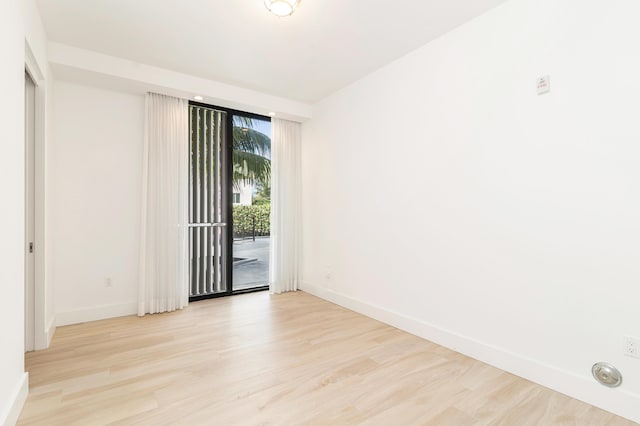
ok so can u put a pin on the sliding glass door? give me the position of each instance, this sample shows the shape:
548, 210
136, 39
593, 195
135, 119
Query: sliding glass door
229, 201
251, 201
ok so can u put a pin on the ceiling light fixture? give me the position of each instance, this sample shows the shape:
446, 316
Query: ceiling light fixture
282, 8
272, 114
198, 98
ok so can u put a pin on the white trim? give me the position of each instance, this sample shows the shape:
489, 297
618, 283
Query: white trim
584, 388
10, 414
41, 339
31, 64
29, 210
95, 313
50, 331
39, 232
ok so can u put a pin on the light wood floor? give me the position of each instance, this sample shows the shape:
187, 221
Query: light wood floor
290, 359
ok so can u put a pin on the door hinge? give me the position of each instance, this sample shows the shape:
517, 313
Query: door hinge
30, 247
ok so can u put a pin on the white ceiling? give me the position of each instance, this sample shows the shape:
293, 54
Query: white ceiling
323, 47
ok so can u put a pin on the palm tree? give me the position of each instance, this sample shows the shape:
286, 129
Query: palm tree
251, 154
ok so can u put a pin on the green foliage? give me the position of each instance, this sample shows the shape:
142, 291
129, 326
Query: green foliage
259, 201
251, 153
248, 218
263, 195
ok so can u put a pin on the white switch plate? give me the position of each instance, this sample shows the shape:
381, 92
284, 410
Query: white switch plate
543, 84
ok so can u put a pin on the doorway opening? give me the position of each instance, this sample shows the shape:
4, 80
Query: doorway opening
29, 208
229, 201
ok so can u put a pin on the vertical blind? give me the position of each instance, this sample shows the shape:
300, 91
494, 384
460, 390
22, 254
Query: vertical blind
207, 216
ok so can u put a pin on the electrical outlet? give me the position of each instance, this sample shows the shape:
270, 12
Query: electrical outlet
631, 347
107, 282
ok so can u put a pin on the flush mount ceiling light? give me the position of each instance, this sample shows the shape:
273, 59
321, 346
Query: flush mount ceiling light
282, 7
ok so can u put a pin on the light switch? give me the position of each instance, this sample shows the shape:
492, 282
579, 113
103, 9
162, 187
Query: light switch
543, 85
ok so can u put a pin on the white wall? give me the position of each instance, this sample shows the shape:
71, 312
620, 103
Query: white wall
95, 201
12, 211
20, 25
522, 246
98, 69
246, 194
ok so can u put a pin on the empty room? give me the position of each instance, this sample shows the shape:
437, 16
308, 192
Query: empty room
320, 212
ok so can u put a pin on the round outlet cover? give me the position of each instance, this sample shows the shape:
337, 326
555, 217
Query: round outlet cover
606, 374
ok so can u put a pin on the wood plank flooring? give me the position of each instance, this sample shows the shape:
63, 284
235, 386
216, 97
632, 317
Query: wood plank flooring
290, 359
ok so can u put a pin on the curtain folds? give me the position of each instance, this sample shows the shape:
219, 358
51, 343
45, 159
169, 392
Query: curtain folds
286, 193
164, 267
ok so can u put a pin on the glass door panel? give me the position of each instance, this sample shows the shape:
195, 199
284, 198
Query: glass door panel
251, 199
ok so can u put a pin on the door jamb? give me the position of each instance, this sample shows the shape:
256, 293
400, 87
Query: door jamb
43, 327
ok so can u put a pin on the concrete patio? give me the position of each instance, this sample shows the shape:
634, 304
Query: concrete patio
250, 263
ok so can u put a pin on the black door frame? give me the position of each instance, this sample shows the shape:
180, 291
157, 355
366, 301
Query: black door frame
226, 198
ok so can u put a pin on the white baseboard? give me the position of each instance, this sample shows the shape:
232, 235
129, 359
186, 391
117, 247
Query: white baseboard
47, 334
617, 401
95, 313
51, 330
11, 412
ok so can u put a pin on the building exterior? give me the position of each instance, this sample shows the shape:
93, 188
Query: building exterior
242, 195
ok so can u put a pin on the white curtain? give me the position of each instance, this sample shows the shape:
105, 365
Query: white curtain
286, 223
164, 267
